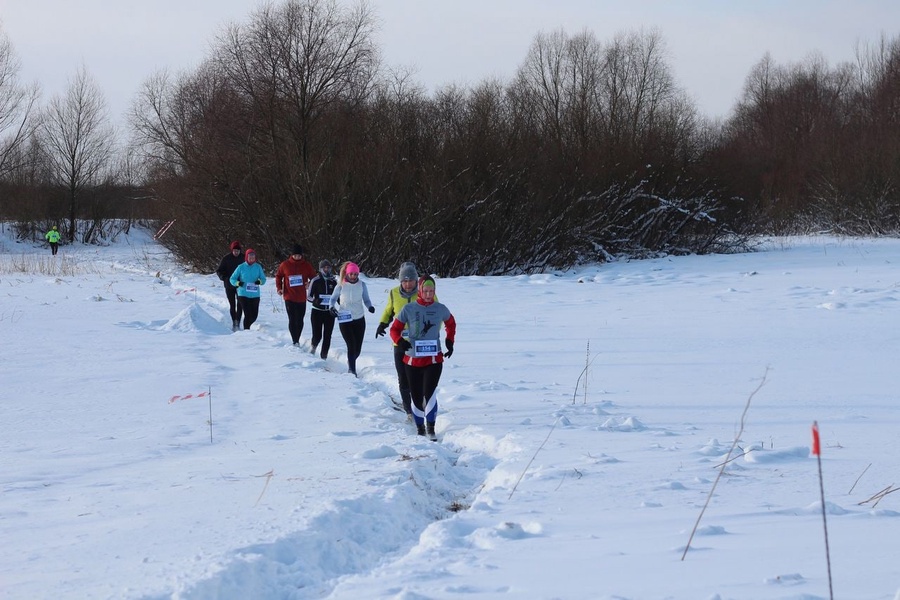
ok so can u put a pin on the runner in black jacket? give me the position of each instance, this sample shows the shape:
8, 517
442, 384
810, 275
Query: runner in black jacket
320, 318
226, 268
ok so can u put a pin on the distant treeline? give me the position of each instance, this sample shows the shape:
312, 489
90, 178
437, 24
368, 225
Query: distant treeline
293, 131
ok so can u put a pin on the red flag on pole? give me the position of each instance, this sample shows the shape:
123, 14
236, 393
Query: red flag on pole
816, 449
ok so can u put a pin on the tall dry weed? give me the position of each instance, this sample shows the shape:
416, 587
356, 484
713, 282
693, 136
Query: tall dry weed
61, 265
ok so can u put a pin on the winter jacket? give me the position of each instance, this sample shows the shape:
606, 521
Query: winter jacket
320, 289
229, 263
352, 298
423, 322
251, 276
292, 277
53, 236
397, 299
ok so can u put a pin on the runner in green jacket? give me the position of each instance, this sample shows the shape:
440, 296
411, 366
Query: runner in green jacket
53, 236
398, 297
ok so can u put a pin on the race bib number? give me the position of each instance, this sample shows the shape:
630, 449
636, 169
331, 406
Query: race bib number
326, 300
252, 287
295, 280
344, 316
425, 348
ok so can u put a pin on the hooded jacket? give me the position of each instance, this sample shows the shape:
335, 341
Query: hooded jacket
248, 274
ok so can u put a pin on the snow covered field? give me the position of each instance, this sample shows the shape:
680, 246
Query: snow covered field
543, 485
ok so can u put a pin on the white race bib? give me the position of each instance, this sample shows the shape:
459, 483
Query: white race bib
425, 348
326, 300
344, 316
295, 280
252, 287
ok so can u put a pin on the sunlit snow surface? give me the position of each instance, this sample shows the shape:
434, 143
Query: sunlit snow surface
584, 419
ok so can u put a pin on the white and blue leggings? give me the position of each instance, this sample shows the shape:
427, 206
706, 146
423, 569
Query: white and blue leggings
423, 382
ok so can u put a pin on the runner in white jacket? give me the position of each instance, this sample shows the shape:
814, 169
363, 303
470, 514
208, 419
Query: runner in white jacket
350, 300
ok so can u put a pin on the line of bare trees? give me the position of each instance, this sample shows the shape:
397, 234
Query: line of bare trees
816, 147
59, 163
292, 130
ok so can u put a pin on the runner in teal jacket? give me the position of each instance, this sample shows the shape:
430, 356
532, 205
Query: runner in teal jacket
248, 278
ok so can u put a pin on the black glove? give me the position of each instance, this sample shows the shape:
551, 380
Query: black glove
382, 327
333, 311
404, 344
371, 309
240, 284
259, 282
449, 351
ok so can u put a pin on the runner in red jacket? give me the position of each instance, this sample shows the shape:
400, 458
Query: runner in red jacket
291, 279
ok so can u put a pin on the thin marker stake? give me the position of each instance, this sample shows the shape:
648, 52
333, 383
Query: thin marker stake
817, 452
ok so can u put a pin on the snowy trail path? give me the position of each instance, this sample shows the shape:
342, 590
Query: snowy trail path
417, 482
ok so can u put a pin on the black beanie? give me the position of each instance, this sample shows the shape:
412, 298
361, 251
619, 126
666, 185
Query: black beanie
298, 249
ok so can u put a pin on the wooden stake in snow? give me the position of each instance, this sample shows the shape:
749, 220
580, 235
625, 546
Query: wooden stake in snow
817, 452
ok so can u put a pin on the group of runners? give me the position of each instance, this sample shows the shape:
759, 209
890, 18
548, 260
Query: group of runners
413, 318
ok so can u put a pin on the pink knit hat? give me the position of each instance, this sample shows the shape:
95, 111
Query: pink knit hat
352, 268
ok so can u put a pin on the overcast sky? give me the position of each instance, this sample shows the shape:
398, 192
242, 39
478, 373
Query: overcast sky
712, 44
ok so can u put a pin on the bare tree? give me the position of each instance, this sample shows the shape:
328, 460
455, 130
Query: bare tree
638, 89
790, 129
17, 109
284, 134
295, 62
78, 139
542, 79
